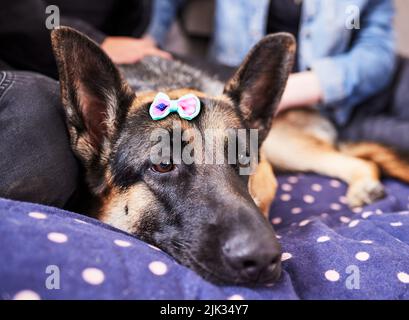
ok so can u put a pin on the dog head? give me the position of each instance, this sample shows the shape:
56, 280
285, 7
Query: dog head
201, 214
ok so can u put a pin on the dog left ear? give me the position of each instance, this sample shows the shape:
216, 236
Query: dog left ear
95, 97
259, 83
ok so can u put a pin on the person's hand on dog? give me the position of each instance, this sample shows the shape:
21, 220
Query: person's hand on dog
126, 50
303, 90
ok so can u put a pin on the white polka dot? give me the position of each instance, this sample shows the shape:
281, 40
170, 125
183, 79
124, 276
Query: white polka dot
158, 268
332, 275
366, 241
367, 214
93, 276
37, 215
404, 213
296, 210
324, 215
353, 223
292, 180
323, 239
343, 200
236, 297
344, 219
81, 221
57, 237
309, 199
285, 197
335, 183
316, 187
285, 256
278, 237
286, 187
335, 206
357, 210
396, 224
277, 220
379, 212
362, 256
304, 223
403, 277
27, 294
122, 243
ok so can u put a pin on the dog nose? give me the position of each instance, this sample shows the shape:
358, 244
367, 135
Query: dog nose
256, 259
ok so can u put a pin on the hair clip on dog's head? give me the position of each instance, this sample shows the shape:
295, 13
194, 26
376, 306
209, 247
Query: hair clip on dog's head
188, 106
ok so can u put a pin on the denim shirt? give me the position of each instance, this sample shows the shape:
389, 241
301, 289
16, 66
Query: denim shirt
349, 44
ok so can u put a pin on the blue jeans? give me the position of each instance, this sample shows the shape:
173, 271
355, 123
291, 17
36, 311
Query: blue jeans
36, 161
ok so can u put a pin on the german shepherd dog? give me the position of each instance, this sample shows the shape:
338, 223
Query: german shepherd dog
208, 217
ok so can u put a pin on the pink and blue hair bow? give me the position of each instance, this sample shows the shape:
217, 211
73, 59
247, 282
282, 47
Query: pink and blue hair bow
188, 106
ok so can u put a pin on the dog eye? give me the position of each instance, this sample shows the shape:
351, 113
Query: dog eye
163, 167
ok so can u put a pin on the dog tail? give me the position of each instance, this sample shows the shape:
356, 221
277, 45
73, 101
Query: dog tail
391, 162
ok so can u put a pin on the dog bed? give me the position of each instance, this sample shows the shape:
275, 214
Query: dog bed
330, 252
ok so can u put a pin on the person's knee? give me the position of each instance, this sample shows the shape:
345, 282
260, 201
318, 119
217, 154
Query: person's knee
39, 164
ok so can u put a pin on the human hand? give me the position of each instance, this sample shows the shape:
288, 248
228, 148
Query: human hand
303, 90
125, 50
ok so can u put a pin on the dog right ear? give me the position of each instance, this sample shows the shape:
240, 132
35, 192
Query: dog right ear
94, 95
259, 83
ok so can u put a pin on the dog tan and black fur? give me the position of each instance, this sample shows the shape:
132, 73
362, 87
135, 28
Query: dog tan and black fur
208, 217
203, 215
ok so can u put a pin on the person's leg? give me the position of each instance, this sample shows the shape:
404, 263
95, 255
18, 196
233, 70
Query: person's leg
389, 124
385, 129
36, 162
400, 104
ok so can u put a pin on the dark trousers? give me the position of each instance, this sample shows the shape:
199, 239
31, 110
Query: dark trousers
384, 118
36, 162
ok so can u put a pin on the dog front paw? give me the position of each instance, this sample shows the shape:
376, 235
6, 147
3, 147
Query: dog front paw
364, 192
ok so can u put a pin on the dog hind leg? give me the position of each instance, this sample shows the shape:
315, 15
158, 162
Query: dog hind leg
391, 162
290, 148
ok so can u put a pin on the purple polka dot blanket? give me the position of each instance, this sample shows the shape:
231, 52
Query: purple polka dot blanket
329, 252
